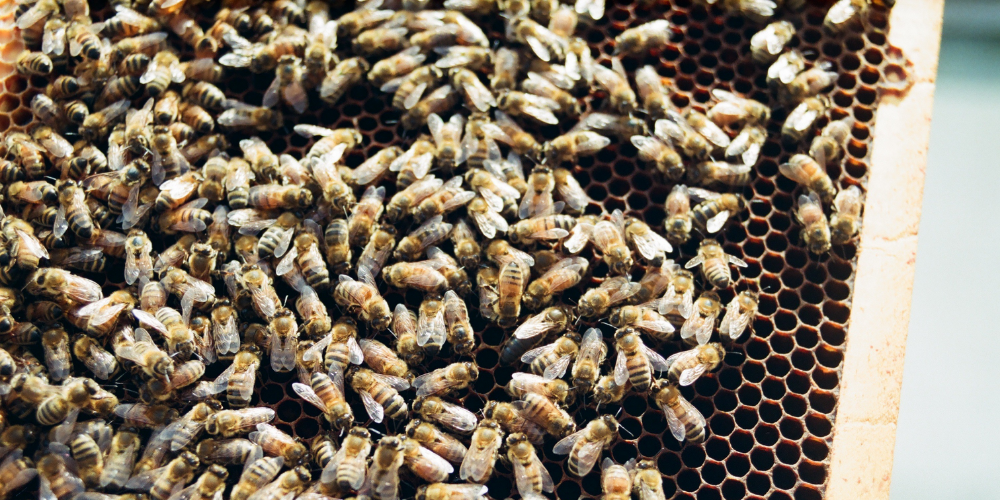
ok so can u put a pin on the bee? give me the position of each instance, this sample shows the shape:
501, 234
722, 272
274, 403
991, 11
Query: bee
572, 145
289, 483
431, 330
647, 481
815, 227
643, 317
33, 64
621, 97
238, 178
46, 109
722, 173
530, 105
537, 200
443, 491
228, 423
440, 443
651, 246
55, 344
466, 247
164, 68
545, 227
205, 69
807, 84
59, 284
506, 65
556, 390
307, 256
522, 143
545, 413
186, 430
687, 366
642, 38
167, 108
768, 43
287, 85
431, 232
828, 145
55, 478
28, 154
510, 287
456, 316
735, 111
89, 459
73, 212
746, 146
362, 299
845, 14
342, 349
801, 120
552, 360
455, 376
438, 101
447, 198
404, 323
145, 415
379, 393
607, 391
364, 217
44, 312
426, 464
237, 380
453, 417
845, 221
596, 301
54, 143
483, 451
739, 313
383, 360
347, 469
272, 196
715, 263
284, 333
653, 92
409, 89
584, 447
229, 451
616, 481
636, 361
242, 115
326, 392
716, 209
785, 68
544, 43
256, 474
345, 75
699, 326
383, 473
564, 274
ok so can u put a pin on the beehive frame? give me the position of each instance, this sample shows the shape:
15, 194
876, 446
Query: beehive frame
868, 390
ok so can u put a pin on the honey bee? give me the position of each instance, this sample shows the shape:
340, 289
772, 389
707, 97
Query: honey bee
56, 479
640, 39
653, 92
237, 380
452, 377
383, 473
145, 415
441, 444
454, 417
647, 481
815, 227
242, 115
287, 85
716, 209
572, 145
746, 146
207, 70
687, 366
347, 469
596, 301
768, 43
443, 491
522, 143
342, 348
289, 484
506, 65
33, 64
271, 196
186, 430
715, 263
829, 144
164, 68
643, 317
584, 447
483, 451
564, 274
59, 284
636, 361
362, 299
228, 423
787, 66
76, 111
237, 184
119, 459
556, 390
409, 89
256, 474
456, 316
699, 326
383, 360
552, 360
545, 413
195, 117
379, 393
42, 312
510, 286
438, 101
621, 97
404, 325
447, 198
89, 459
229, 451
801, 120
734, 110
284, 331
431, 330
807, 84
362, 220
32, 192
545, 227
845, 221
739, 313
54, 143
530, 105
326, 392
55, 344
431, 232
73, 213
616, 481
845, 14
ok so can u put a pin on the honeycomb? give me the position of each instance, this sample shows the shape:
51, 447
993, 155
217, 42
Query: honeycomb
771, 407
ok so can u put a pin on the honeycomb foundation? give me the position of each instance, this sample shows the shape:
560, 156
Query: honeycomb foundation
792, 412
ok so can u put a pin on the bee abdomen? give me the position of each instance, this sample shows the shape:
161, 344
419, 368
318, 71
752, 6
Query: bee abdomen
717, 273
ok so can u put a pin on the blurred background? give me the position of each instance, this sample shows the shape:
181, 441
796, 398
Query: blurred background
947, 439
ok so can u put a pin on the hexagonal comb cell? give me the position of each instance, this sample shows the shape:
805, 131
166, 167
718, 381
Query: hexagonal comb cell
770, 407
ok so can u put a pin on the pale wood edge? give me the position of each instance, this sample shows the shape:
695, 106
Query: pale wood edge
865, 422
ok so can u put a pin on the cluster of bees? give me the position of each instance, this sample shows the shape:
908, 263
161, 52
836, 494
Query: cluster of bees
151, 160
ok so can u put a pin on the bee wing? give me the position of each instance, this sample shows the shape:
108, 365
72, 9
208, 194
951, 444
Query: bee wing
675, 424
457, 418
533, 326
659, 324
479, 95
572, 193
101, 362
590, 346
295, 95
736, 261
565, 445
414, 98
524, 486
283, 353
287, 263
489, 222
530, 356
689, 375
374, 409
431, 328
398, 383
307, 393
621, 368
539, 48
657, 361
479, 461
557, 369
227, 336
650, 244
354, 353
579, 237
435, 460
715, 223
61, 224
271, 95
